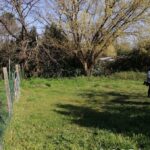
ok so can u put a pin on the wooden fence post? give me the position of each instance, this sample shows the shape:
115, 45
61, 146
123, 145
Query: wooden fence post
7, 88
17, 82
18, 72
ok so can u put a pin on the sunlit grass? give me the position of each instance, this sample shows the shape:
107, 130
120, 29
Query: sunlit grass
80, 114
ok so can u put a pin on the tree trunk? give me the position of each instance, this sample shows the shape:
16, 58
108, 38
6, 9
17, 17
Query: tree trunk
87, 69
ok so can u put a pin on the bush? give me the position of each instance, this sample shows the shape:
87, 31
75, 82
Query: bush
102, 68
135, 61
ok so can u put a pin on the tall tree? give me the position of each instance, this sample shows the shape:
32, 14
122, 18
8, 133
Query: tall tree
23, 12
90, 26
8, 22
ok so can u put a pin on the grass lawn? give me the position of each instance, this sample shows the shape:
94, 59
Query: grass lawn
3, 109
80, 114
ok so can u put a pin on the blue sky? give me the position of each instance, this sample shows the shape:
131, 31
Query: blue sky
31, 18
40, 27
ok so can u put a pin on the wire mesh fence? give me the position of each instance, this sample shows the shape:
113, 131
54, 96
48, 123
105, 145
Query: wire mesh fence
9, 92
12, 86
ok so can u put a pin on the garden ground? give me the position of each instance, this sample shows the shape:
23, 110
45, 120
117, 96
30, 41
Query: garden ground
80, 114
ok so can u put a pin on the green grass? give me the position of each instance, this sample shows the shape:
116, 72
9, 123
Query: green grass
129, 75
80, 114
3, 109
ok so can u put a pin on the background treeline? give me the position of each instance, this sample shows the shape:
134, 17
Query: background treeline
136, 60
47, 60
68, 38
44, 60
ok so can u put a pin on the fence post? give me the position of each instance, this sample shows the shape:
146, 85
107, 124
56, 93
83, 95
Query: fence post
7, 88
17, 82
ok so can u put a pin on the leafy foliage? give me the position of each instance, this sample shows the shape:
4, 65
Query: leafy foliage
137, 60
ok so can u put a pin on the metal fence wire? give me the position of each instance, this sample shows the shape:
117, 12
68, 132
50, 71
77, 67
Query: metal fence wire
12, 86
8, 96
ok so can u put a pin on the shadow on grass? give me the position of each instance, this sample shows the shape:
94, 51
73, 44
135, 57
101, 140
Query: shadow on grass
119, 113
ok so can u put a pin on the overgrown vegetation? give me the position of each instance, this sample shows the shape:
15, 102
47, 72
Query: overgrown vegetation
67, 38
3, 110
72, 36
137, 59
80, 113
129, 75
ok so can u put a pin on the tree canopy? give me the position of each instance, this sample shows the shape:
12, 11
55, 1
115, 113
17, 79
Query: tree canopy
84, 30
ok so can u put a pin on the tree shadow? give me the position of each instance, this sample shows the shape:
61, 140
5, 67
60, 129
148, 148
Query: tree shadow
119, 113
